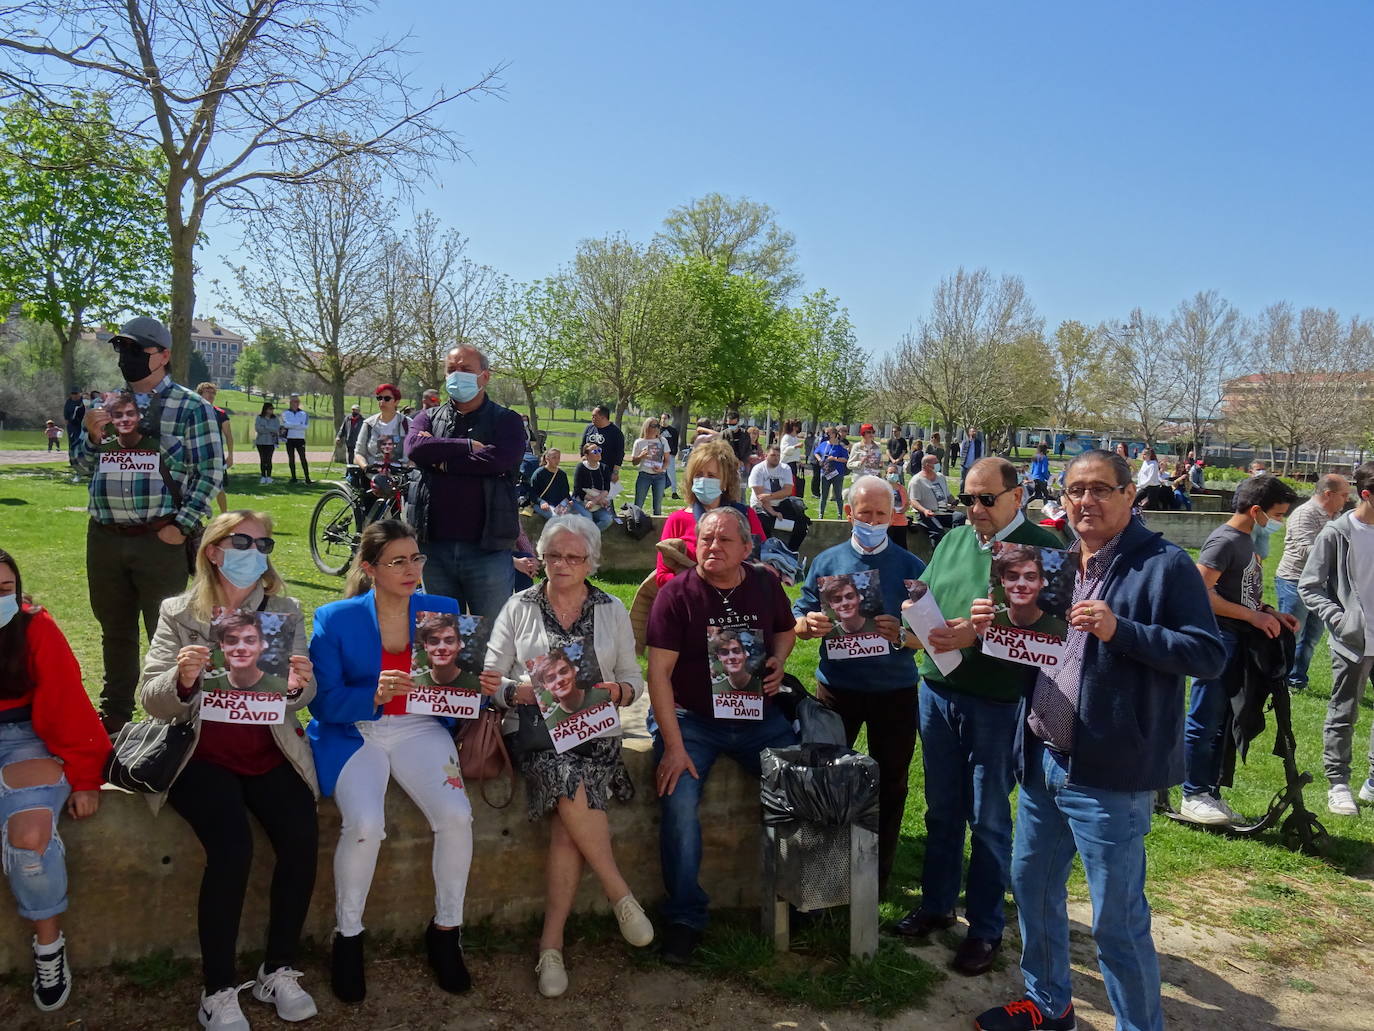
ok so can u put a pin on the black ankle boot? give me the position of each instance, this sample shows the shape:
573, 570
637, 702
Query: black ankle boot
445, 950
346, 969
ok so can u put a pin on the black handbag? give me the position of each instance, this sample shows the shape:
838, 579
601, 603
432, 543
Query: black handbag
148, 755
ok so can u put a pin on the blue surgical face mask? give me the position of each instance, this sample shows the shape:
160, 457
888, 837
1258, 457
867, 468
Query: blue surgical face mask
868, 536
462, 386
706, 489
1273, 526
9, 608
242, 568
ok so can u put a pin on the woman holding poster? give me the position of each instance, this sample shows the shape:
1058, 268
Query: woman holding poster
364, 733
249, 756
574, 643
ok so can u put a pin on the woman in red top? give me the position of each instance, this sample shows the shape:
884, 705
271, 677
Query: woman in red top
712, 480
52, 749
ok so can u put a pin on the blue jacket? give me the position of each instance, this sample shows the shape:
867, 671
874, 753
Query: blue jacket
1040, 467
346, 650
1129, 732
870, 674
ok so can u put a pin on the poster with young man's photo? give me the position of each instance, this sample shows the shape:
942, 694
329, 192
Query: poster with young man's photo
448, 656
1031, 589
574, 708
852, 602
737, 666
248, 679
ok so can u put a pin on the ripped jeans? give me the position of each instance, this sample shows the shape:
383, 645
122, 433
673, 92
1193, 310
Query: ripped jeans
38, 879
419, 752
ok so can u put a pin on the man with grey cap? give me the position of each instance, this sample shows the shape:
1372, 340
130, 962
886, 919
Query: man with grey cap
144, 504
348, 432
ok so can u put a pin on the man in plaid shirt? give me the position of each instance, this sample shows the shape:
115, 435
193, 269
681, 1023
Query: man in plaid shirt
143, 508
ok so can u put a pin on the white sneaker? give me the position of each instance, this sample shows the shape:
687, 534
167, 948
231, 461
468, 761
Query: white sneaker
221, 1012
634, 925
262, 481
1340, 801
553, 976
1367, 790
280, 989
1206, 809
268, 481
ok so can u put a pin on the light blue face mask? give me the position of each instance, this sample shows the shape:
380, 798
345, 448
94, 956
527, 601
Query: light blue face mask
868, 536
461, 386
242, 568
9, 608
706, 489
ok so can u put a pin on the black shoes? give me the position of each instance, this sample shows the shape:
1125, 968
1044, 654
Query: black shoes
445, 949
346, 968
679, 944
52, 977
1024, 1015
975, 955
918, 923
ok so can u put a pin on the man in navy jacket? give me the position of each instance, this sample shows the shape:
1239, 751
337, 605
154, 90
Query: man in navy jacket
1099, 734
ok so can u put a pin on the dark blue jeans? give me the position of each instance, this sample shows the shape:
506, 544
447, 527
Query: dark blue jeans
680, 830
479, 580
1202, 734
1107, 829
966, 746
1309, 634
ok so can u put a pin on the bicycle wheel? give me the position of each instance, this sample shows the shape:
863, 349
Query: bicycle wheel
333, 535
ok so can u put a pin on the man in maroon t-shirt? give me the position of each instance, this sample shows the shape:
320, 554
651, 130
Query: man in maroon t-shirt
700, 621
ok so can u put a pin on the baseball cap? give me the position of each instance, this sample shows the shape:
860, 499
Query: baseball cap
357, 408
143, 331
866, 428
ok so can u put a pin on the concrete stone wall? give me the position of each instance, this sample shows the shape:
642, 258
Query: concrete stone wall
134, 878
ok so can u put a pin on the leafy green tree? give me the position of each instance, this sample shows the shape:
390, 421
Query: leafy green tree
82, 237
251, 368
831, 367
199, 371
741, 233
533, 338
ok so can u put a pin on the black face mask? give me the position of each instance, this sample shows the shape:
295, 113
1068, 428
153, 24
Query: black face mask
134, 364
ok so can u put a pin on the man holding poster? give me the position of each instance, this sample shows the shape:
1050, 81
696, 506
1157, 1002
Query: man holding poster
868, 678
967, 721
1096, 738
721, 593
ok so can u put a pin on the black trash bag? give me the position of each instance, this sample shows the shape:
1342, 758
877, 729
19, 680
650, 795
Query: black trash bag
826, 785
813, 723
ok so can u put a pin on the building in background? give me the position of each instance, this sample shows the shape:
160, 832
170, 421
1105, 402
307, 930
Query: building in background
219, 347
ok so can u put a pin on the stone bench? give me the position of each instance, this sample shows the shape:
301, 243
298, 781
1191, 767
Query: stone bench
134, 877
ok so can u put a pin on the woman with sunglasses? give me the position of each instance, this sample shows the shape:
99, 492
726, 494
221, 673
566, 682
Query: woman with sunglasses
592, 488
362, 736
266, 435
237, 769
385, 423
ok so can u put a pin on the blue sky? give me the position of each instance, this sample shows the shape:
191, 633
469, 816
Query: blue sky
1112, 155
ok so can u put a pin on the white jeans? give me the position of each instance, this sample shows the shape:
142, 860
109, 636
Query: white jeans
421, 755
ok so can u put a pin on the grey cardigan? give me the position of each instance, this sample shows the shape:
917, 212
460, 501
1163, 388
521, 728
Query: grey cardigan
176, 628
1327, 588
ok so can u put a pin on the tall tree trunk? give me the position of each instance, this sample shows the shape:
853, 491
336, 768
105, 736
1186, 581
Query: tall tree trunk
183, 238
337, 385
534, 409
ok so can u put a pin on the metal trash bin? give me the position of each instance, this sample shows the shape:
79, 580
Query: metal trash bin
820, 848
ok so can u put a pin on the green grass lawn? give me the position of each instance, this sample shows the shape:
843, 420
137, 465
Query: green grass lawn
1284, 900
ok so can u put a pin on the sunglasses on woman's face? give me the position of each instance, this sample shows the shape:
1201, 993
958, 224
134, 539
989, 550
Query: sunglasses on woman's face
385, 397
242, 542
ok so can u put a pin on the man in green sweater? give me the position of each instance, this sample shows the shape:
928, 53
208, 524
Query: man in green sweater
968, 723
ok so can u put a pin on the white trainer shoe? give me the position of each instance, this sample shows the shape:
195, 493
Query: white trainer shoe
1206, 809
553, 976
634, 925
1340, 801
221, 1012
280, 989
1367, 790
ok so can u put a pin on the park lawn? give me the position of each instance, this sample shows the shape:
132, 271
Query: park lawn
1284, 900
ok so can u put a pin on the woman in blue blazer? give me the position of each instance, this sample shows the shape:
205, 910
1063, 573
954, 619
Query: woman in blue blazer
362, 736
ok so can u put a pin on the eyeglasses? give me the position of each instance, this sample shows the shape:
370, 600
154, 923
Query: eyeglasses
397, 564
1099, 491
242, 542
385, 397
986, 500
555, 559
594, 451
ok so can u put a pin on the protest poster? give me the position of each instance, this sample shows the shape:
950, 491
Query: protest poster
574, 708
247, 680
923, 615
852, 601
1030, 590
737, 661
448, 654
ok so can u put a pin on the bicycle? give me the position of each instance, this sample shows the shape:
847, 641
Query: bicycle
344, 511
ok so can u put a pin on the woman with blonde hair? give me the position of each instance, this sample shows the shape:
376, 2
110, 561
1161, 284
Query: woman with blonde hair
238, 769
712, 480
363, 736
650, 457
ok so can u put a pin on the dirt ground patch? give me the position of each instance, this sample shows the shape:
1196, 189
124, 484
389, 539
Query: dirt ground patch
1216, 979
